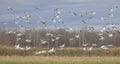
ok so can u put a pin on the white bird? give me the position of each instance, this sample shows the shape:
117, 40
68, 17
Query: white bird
100, 33
84, 48
43, 21
110, 46
70, 29
18, 38
53, 20
43, 42
104, 28
28, 40
62, 46
57, 10
16, 22
93, 12
52, 50
104, 47
57, 38
11, 32
101, 38
27, 48
19, 34
111, 9
17, 46
110, 35
26, 17
103, 19
78, 13
40, 52
113, 27
9, 8
18, 17
87, 48
49, 34
110, 15
21, 48
53, 40
77, 36
94, 45
90, 29
85, 44
57, 18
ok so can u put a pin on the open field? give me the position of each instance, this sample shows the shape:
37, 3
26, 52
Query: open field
11, 51
58, 60
9, 55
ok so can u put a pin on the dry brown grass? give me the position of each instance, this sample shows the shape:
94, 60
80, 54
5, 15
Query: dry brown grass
57, 58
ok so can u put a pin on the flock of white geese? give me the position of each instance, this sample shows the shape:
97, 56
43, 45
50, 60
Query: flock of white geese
58, 19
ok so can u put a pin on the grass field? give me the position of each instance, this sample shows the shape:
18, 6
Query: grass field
58, 60
9, 55
11, 51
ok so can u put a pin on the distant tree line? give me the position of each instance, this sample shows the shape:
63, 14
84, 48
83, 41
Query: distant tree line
58, 37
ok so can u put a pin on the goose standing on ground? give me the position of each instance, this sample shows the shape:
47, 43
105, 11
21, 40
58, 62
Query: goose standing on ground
51, 51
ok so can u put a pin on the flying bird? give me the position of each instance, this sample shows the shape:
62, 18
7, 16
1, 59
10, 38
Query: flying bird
62, 46
93, 12
110, 35
101, 38
43, 22
28, 40
10, 8
43, 42
57, 10
19, 34
77, 36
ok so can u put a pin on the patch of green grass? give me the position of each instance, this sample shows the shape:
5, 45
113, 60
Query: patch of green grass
10, 51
